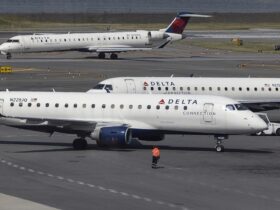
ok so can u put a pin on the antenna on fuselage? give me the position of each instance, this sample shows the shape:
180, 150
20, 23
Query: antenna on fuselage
172, 75
53, 90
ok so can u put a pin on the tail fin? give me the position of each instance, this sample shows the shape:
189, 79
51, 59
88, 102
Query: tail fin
179, 23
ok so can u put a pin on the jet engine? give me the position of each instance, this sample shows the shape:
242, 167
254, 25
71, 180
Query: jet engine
112, 136
156, 35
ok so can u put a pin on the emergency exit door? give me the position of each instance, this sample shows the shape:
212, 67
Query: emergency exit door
130, 86
208, 112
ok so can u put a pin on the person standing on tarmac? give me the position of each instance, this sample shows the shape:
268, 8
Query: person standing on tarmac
156, 156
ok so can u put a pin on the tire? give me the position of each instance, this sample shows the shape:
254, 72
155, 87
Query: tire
277, 133
220, 148
114, 56
79, 144
101, 55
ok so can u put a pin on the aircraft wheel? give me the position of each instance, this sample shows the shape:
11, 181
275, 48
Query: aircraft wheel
79, 144
114, 56
220, 148
9, 56
101, 56
277, 132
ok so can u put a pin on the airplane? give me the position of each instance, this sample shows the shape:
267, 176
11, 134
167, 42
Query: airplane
258, 94
101, 43
114, 119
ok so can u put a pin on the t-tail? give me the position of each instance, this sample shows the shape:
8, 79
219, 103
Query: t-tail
177, 26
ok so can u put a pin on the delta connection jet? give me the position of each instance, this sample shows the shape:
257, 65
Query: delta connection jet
114, 119
101, 43
258, 94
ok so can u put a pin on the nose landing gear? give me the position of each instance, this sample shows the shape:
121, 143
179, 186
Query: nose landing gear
219, 147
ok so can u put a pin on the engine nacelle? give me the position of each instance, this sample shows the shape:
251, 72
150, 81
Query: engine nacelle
156, 35
147, 135
112, 136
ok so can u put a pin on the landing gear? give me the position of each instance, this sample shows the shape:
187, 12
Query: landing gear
80, 144
101, 55
219, 147
8, 56
114, 56
277, 132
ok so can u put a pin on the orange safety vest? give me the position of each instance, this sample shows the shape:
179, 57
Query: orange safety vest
156, 152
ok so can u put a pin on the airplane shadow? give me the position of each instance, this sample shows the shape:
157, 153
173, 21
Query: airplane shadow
135, 146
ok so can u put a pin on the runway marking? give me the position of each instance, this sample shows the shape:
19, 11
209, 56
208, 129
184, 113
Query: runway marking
134, 196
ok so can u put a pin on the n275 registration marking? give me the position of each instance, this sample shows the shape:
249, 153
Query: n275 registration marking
18, 99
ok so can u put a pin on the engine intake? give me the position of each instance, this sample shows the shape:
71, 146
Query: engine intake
112, 136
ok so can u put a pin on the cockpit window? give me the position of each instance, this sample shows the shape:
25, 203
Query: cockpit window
13, 40
230, 107
99, 87
109, 87
240, 107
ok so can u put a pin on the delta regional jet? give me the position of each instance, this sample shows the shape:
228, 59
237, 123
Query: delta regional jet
114, 119
101, 43
258, 94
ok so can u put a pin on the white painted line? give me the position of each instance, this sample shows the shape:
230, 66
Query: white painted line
112, 191
160, 202
50, 175
101, 188
60, 177
136, 196
90, 185
124, 194
171, 205
40, 172
81, 183
31, 170
148, 199
15, 166
70, 180
22, 168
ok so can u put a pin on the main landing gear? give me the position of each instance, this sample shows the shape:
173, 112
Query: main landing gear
80, 144
8, 56
101, 55
113, 56
219, 147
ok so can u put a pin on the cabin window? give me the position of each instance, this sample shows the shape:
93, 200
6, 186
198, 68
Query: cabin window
174, 88
256, 89
144, 88
103, 106
93, 106
20, 104
262, 88
240, 88
38, 104
176, 107
139, 106
233, 89
248, 89
181, 88
152, 88
46, 40
41, 40
98, 38
157, 107
118, 37
166, 88
218, 88
269, 89
56, 105
29, 104
166, 107
185, 107
188, 88
276, 89
84, 106
12, 104
79, 39
66, 105
149, 107
121, 106
112, 106
203, 88
159, 88
210, 88
65, 40
109, 38
226, 88
75, 105
123, 37
104, 38
130, 106
47, 104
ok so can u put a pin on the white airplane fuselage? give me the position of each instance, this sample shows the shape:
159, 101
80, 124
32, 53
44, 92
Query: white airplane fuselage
167, 113
245, 90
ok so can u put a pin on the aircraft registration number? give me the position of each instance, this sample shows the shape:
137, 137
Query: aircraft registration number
18, 99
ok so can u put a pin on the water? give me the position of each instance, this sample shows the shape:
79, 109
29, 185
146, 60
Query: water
137, 6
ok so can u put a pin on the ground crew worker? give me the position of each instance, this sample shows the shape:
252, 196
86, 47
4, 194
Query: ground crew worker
156, 156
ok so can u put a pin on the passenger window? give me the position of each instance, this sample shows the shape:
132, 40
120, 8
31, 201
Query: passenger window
218, 88
210, 88
269, 89
188, 88
149, 107
276, 89
139, 106
84, 106
38, 104
20, 104
226, 88
29, 104
203, 88
166, 88
112, 106
56, 105
233, 89
66, 105
12, 104
262, 89
174, 88
176, 107
93, 106
75, 105
130, 106
256, 89
185, 107
144, 88
230, 107
121, 106
47, 104
195, 88
103, 106
152, 88
159, 88
166, 107
157, 107
65, 40
240, 88
248, 89
181, 88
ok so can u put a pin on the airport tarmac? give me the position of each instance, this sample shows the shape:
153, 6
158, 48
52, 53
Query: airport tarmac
46, 170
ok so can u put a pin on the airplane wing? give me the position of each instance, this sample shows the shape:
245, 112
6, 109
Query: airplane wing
263, 105
115, 49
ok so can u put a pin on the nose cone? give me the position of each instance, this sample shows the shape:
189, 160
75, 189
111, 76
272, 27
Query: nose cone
3, 47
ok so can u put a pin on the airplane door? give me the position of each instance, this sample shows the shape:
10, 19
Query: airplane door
1, 106
130, 86
207, 112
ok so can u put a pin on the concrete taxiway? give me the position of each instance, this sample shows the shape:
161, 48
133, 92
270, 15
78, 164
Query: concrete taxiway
46, 171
